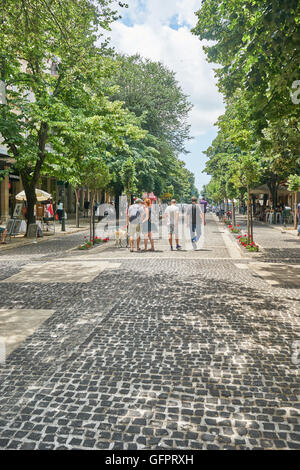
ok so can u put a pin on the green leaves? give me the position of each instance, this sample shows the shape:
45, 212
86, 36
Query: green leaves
74, 112
152, 93
58, 118
128, 176
255, 44
294, 183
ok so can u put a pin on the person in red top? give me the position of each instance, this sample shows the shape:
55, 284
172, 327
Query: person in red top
49, 209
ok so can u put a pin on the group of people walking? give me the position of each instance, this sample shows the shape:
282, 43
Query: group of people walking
140, 222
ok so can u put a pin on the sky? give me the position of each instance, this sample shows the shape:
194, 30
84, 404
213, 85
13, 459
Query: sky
160, 30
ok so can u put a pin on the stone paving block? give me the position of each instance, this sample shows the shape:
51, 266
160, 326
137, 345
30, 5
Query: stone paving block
200, 359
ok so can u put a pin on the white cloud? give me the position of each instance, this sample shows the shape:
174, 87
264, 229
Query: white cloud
161, 12
181, 52
160, 30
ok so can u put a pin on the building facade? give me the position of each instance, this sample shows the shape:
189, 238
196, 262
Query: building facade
11, 185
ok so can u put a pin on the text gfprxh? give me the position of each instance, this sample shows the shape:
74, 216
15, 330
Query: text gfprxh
152, 459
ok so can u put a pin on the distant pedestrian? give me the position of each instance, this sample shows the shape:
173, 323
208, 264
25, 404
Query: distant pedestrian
86, 206
147, 225
203, 204
194, 220
171, 216
60, 210
49, 210
134, 217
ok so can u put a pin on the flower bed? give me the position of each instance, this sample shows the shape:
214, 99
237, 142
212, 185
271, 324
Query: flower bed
234, 228
243, 240
88, 244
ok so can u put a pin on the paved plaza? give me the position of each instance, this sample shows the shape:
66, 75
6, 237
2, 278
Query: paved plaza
108, 349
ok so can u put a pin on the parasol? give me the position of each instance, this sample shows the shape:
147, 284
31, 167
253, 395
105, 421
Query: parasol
40, 195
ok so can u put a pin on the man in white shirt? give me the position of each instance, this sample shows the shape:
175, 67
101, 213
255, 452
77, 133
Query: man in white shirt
171, 216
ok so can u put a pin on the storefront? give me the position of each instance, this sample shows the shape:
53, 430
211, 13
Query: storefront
264, 209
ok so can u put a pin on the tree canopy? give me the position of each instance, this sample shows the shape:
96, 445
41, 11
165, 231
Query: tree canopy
150, 91
255, 44
54, 78
69, 104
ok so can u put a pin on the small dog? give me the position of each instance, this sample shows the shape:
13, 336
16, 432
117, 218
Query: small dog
121, 238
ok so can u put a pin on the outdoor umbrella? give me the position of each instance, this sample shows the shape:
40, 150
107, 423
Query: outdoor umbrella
40, 195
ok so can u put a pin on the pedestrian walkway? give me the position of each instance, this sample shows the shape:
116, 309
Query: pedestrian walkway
211, 245
278, 261
277, 244
20, 240
164, 350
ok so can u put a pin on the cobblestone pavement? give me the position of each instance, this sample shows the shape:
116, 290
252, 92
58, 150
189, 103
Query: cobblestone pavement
163, 350
47, 248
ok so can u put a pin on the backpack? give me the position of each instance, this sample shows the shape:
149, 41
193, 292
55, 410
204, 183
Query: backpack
134, 217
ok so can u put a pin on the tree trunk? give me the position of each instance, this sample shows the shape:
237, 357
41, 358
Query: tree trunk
92, 217
251, 220
273, 187
77, 207
233, 214
30, 180
295, 211
248, 215
29, 188
129, 199
118, 194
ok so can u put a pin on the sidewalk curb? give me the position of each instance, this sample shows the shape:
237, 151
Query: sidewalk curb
247, 254
244, 253
94, 250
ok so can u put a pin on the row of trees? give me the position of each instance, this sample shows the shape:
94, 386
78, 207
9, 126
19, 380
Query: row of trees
255, 44
74, 110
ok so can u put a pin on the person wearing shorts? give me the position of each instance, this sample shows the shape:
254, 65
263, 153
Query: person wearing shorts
172, 218
147, 225
134, 215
